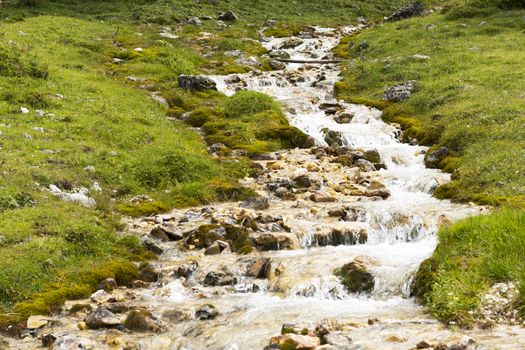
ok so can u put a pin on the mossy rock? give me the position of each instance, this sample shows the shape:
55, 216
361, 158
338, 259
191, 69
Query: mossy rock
356, 277
143, 209
424, 279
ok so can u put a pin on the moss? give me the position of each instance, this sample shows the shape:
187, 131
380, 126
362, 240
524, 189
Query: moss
138, 320
304, 331
204, 236
247, 249
282, 32
80, 308
200, 116
288, 344
424, 278
143, 209
230, 191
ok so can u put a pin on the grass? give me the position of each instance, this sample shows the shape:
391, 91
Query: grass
473, 255
470, 100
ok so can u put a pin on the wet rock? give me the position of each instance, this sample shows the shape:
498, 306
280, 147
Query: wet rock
220, 278
322, 198
285, 194
147, 273
217, 247
365, 166
413, 9
259, 268
279, 54
333, 137
433, 159
344, 118
142, 321
175, 315
277, 65
109, 284
341, 236
377, 189
74, 342
302, 181
153, 247
296, 341
80, 308
101, 318
339, 339
291, 43
395, 339
228, 16
355, 214
218, 148
196, 83
117, 307
400, 92
423, 345
47, 340
206, 312
276, 241
38, 321
187, 270
101, 296
256, 203
356, 277
330, 108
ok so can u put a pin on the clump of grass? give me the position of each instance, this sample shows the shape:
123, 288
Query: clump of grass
472, 255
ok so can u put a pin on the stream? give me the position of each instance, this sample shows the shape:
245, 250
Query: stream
386, 218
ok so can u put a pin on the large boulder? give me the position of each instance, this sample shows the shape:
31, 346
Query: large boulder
401, 92
295, 341
356, 277
222, 277
332, 137
259, 268
196, 83
206, 312
345, 234
142, 321
413, 9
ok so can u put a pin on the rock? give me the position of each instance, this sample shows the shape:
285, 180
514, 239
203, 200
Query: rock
423, 345
296, 342
377, 189
279, 54
218, 148
175, 315
196, 83
433, 159
332, 137
291, 43
395, 339
365, 166
340, 339
109, 284
343, 235
167, 231
101, 318
259, 268
74, 342
37, 321
413, 9
256, 203
217, 247
401, 92
187, 270
117, 307
277, 65
322, 198
142, 321
302, 181
206, 312
228, 16
101, 297
355, 214
47, 340
194, 21
147, 273
356, 277
276, 241
148, 243
344, 118
220, 278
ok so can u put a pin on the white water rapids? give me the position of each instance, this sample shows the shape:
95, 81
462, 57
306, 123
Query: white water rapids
401, 234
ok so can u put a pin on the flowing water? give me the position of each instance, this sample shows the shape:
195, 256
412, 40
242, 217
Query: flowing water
302, 288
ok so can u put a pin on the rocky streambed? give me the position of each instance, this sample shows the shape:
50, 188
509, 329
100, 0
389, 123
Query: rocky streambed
323, 259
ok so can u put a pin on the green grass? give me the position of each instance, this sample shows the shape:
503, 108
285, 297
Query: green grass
473, 255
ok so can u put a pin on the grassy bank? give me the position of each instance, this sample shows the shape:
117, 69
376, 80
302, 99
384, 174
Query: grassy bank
467, 60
